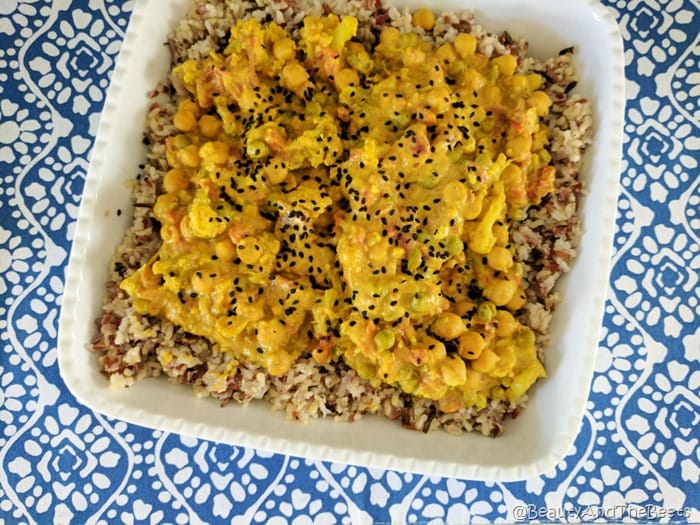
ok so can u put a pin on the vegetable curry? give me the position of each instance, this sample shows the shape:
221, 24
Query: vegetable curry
353, 204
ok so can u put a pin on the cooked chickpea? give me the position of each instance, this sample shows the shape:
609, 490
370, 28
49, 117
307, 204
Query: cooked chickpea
492, 96
454, 371
189, 156
225, 250
485, 362
294, 75
448, 326
500, 259
189, 105
507, 325
185, 121
249, 250
473, 80
424, 18
346, 77
276, 173
507, 64
471, 345
540, 101
284, 49
500, 291
520, 85
446, 53
464, 307
257, 149
389, 37
517, 301
209, 126
465, 44
175, 180
215, 151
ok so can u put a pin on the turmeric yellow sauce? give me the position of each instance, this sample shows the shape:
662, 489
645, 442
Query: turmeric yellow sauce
355, 205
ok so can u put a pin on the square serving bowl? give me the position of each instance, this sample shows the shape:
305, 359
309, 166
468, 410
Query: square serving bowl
532, 443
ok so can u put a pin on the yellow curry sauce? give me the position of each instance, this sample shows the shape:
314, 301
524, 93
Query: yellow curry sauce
328, 200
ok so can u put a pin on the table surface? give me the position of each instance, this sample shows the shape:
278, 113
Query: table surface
636, 456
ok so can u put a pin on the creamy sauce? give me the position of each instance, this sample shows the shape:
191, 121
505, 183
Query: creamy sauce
353, 204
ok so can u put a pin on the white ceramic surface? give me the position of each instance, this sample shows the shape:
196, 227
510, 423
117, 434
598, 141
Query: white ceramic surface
545, 430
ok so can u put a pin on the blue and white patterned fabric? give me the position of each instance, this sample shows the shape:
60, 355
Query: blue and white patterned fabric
636, 457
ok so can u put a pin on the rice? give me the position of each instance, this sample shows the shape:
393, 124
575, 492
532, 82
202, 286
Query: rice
132, 346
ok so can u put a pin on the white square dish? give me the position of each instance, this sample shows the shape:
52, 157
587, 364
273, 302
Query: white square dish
546, 428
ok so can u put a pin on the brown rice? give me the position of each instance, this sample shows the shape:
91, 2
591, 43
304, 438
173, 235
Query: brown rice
133, 346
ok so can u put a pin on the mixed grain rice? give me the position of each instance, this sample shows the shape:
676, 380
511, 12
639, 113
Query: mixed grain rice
132, 346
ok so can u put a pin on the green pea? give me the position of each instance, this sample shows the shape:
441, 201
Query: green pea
384, 339
486, 311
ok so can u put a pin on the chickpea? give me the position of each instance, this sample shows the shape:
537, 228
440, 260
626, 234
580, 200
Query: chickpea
486, 361
225, 250
473, 80
216, 152
448, 326
249, 250
424, 18
540, 101
519, 84
517, 301
471, 345
454, 371
294, 75
284, 49
346, 77
185, 120
189, 105
465, 44
174, 180
446, 53
209, 126
492, 96
189, 156
499, 259
534, 81
389, 37
276, 173
500, 291
507, 325
507, 64
464, 307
